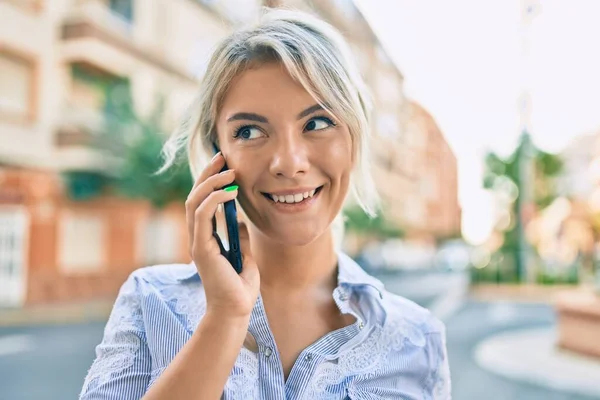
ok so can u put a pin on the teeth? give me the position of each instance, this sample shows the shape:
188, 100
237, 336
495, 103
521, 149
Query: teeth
292, 198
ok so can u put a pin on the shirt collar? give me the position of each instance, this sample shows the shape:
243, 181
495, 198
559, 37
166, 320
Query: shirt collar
350, 274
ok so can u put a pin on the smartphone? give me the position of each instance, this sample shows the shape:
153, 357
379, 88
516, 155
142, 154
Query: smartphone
234, 255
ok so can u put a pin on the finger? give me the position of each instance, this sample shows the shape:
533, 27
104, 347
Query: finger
203, 233
214, 167
200, 193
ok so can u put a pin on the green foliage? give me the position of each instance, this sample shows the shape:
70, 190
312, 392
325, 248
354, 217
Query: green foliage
85, 185
545, 168
142, 158
137, 143
137, 179
358, 221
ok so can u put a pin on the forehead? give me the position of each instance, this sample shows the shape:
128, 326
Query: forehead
267, 87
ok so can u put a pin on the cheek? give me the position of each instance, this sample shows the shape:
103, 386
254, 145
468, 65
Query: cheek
337, 157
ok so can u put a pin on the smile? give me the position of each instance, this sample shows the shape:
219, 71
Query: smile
293, 197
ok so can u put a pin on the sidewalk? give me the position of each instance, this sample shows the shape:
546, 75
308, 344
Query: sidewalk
524, 293
56, 314
531, 356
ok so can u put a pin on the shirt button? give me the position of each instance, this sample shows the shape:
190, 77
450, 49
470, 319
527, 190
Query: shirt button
343, 296
268, 352
308, 357
361, 325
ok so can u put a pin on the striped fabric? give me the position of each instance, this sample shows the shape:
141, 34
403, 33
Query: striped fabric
394, 350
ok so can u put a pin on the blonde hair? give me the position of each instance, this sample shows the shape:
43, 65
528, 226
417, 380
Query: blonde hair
315, 55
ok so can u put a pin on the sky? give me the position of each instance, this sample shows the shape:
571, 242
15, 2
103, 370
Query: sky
468, 62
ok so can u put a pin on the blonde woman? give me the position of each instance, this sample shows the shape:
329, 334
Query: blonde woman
288, 110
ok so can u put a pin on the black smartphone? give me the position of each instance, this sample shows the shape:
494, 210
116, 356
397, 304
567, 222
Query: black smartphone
234, 255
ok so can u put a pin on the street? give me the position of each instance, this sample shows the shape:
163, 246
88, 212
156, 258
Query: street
50, 362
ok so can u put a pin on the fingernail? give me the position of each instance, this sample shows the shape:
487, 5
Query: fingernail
215, 156
231, 188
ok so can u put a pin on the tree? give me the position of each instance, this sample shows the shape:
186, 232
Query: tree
137, 178
136, 142
358, 221
526, 180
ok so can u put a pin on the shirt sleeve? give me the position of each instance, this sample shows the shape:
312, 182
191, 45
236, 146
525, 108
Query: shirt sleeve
122, 366
437, 383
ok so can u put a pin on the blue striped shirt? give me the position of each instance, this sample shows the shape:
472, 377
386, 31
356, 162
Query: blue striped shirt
395, 349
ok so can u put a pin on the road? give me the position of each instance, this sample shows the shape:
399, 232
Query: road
50, 362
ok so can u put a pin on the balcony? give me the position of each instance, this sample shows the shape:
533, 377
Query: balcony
96, 33
83, 141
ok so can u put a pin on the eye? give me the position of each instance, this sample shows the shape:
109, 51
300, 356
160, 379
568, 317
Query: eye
247, 132
316, 124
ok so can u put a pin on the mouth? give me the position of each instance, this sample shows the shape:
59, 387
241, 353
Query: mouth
293, 198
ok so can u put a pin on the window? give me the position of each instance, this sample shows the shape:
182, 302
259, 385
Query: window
160, 241
82, 242
16, 87
99, 91
13, 254
123, 8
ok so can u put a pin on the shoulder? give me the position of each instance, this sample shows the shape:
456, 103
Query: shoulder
160, 275
400, 308
406, 322
162, 283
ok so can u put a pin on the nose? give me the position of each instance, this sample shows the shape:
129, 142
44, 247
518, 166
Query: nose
290, 157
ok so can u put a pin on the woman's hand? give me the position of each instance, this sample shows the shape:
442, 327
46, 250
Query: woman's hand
227, 293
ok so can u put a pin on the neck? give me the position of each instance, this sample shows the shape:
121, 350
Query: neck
295, 269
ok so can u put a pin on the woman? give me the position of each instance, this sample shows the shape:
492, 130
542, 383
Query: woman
287, 108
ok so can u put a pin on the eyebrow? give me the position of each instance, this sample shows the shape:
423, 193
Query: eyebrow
247, 116
310, 110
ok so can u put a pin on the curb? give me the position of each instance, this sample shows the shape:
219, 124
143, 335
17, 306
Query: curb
531, 356
56, 314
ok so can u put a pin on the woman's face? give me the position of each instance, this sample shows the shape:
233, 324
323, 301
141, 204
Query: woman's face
292, 160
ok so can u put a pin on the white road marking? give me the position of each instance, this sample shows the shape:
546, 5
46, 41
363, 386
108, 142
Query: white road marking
13, 344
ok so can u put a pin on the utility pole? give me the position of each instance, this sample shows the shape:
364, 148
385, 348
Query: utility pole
530, 9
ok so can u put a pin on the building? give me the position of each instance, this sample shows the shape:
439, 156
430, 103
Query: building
58, 83
431, 209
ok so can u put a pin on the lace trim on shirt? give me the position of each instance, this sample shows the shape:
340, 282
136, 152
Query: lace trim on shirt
188, 300
438, 378
243, 383
121, 342
367, 359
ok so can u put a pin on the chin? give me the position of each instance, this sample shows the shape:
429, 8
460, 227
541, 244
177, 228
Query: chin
297, 236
